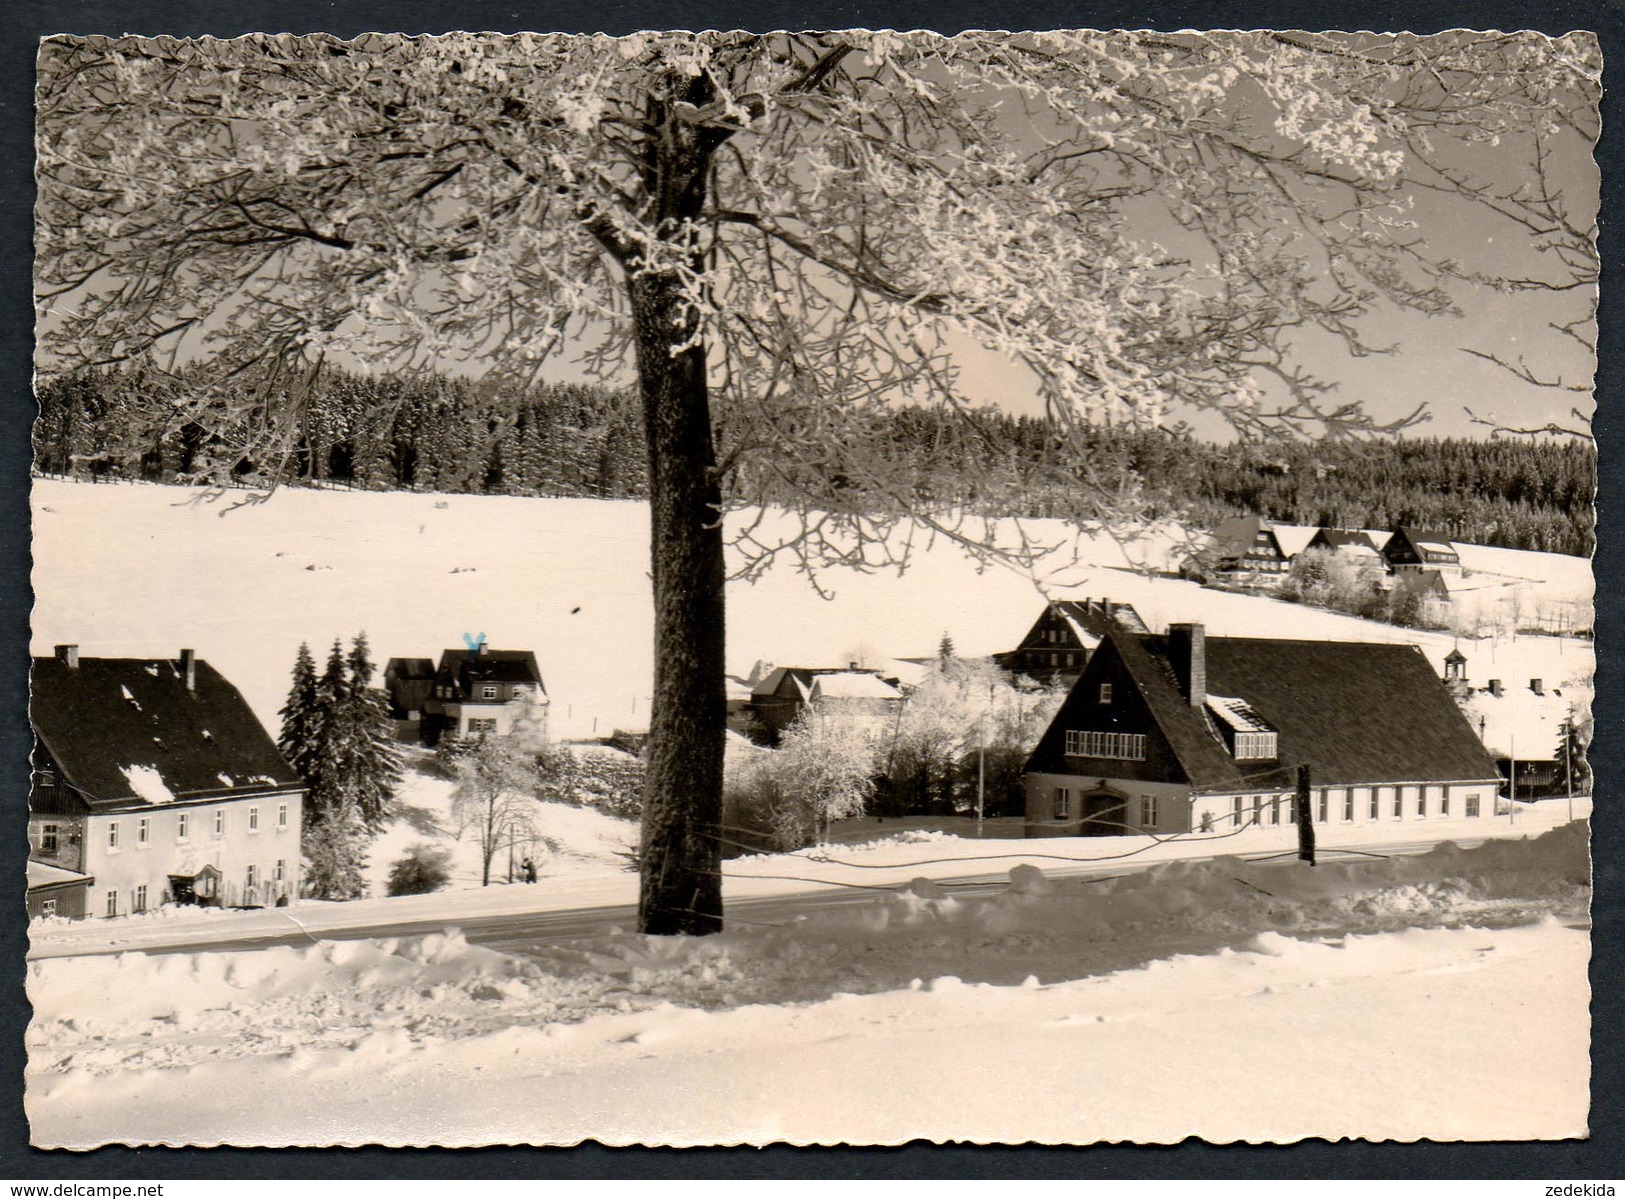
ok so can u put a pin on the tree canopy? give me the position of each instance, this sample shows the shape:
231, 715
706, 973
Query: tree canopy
802, 226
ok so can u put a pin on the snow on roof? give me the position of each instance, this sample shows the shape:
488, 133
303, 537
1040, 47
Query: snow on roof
1519, 722
848, 684
42, 874
1085, 638
147, 784
1238, 714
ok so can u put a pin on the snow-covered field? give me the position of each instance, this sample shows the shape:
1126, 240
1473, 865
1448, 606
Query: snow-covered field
136, 569
1440, 996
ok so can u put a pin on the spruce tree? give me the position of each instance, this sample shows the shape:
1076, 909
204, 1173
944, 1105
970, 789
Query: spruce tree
300, 715
374, 762
335, 849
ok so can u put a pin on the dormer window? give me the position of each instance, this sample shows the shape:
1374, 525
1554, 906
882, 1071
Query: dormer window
1247, 734
1255, 745
488, 691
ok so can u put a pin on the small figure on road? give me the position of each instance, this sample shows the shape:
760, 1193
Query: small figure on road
529, 867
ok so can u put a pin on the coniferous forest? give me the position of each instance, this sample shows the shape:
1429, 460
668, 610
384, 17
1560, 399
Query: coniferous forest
444, 434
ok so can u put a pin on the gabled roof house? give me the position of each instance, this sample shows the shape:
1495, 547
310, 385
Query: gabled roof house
1188, 733
153, 779
1411, 549
482, 690
1244, 549
786, 691
1058, 645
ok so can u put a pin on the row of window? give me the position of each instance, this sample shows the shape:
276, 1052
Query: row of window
1125, 747
1346, 801
51, 832
1255, 745
485, 691
252, 882
1066, 659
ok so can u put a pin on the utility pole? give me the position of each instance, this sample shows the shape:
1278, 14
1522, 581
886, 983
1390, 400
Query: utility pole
1306, 818
981, 771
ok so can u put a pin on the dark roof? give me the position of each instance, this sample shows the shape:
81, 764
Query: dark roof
491, 666
1235, 535
410, 668
1093, 615
1415, 536
1353, 712
110, 715
1337, 538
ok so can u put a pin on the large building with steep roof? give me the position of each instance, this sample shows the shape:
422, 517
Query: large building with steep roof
480, 690
154, 781
1187, 733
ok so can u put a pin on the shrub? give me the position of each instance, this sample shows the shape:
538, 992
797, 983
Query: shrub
425, 868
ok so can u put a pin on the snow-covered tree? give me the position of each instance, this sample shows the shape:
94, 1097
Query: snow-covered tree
823, 770
495, 797
374, 762
301, 717
805, 227
335, 851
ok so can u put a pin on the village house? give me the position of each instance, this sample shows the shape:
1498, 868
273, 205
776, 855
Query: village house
1188, 733
1057, 647
1411, 550
1244, 549
1353, 546
784, 692
153, 782
475, 690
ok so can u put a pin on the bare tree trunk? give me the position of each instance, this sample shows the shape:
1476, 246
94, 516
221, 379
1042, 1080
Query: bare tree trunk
681, 884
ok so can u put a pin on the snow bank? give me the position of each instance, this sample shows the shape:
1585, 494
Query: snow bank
832, 1026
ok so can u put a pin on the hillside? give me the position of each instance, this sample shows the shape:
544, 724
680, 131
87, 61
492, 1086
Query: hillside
138, 569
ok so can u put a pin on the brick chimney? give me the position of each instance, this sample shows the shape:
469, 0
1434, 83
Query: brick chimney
1538, 686
1494, 687
1187, 652
189, 668
68, 655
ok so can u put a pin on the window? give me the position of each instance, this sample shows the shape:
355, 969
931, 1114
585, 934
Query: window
140, 904
1055, 659
282, 815
1421, 801
482, 724
1258, 809
112, 903
48, 908
1063, 803
1128, 747
253, 820
518, 691
1148, 811
1323, 805
1444, 801
1105, 692
1275, 809
1255, 745
1291, 802
48, 838
1348, 805
282, 870
1071, 659
1235, 811
220, 822
183, 824
1471, 804
112, 837
252, 877
488, 691
143, 833
1376, 804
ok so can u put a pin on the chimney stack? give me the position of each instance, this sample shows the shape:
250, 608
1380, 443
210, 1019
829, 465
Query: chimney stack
1187, 651
482, 648
189, 668
1538, 686
1495, 687
68, 655
1111, 609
